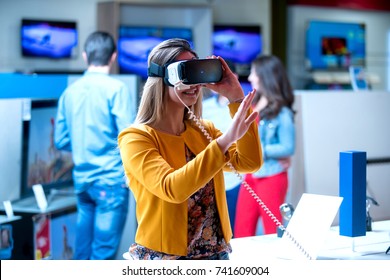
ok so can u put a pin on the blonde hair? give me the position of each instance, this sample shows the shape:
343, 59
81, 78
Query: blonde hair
151, 106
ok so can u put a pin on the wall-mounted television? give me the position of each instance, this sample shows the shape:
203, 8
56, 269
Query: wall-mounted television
42, 163
334, 45
238, 44
48, 38
136, 42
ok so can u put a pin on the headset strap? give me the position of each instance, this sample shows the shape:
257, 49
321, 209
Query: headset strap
156, 70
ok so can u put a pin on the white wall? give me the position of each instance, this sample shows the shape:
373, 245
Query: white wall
377, 48
330, 122
10, 148
388, 61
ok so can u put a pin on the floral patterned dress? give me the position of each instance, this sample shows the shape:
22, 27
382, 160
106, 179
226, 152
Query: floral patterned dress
205, 236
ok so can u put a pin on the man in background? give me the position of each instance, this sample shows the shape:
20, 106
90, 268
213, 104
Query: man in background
91, 113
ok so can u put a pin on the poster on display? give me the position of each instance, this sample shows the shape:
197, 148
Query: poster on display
63, 236
42, 244
6, 242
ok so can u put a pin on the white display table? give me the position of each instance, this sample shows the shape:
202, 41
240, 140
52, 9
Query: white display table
370, 247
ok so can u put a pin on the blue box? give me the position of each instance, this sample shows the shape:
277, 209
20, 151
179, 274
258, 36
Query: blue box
353, 190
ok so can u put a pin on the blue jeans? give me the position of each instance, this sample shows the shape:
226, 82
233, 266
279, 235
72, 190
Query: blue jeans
102, 213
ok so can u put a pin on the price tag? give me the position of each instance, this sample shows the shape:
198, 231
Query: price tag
40, 197
8, 209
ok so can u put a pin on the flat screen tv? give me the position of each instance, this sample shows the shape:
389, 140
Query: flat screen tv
334, 45
136, 42
49, 39
42, 163
238, 44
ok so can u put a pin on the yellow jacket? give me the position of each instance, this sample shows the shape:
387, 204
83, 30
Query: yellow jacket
162, 181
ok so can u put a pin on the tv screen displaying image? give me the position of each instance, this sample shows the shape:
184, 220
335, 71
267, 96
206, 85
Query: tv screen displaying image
63, 235
135, 44
42, 163
49, 39
238, 44
334, 45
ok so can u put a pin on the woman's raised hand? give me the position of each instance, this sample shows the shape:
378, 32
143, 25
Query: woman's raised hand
239, 125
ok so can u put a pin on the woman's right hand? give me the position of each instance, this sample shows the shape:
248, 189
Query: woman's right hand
239, 125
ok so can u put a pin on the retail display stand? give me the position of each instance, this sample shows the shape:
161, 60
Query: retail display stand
44, 234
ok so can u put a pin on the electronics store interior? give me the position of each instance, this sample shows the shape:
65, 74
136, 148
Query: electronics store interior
337, 58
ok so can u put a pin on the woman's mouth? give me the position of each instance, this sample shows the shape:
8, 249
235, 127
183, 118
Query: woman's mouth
189, 92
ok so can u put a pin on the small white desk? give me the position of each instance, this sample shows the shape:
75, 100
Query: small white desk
55, 204
370, 247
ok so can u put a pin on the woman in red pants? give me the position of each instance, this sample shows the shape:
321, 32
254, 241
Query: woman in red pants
274, 103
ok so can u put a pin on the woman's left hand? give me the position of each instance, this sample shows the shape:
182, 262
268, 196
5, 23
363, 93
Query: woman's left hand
239, 125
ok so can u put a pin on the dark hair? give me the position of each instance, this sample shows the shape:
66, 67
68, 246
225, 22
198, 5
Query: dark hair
99, 47
276, 85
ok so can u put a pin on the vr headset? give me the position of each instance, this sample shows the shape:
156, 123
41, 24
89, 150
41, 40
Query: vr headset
189, 72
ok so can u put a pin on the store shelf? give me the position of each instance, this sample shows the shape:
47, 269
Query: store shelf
322, 77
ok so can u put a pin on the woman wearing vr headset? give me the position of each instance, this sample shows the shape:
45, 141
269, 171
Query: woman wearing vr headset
174, 171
